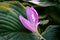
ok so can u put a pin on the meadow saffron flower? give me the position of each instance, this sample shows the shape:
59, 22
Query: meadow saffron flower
31, 23
32, 19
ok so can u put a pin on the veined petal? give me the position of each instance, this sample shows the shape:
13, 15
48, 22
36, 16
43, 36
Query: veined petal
26, 23
32, 15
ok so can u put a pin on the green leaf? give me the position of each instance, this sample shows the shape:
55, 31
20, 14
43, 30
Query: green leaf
9, 12
52, 32
17, 36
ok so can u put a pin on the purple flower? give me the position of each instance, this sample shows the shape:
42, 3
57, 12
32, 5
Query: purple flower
31, 23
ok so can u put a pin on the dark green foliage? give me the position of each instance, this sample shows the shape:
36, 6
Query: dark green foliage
12, 29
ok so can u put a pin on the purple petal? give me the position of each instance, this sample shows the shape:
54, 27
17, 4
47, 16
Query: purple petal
26, 23
32, 15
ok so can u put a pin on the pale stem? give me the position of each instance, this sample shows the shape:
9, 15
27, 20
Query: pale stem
40, 37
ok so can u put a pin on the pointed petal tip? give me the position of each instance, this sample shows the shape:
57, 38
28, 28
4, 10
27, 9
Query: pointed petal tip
34, 10
20, 16
32, 14
27, 6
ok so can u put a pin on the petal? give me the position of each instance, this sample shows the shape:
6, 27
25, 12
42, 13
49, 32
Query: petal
32, 15
26, 23
35, 14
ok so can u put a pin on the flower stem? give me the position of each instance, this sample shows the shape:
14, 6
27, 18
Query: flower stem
40, 36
